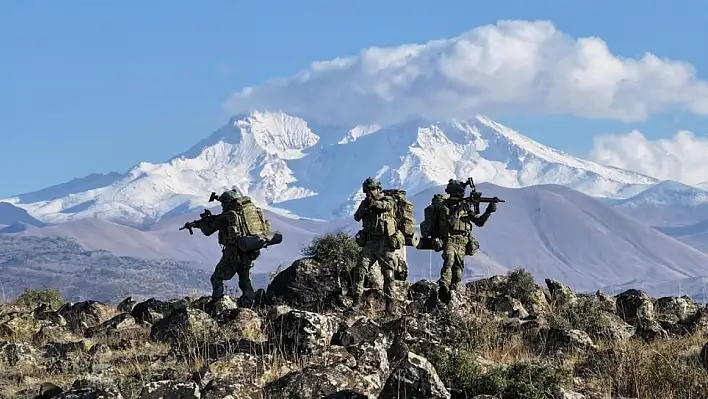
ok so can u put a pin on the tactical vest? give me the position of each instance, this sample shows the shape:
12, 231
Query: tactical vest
455, 219
383, 224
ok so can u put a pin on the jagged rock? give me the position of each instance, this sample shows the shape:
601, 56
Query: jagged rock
214, 308
126, 305
302, 332
610, 327
310, 285
510, 306
362, 330
241, 375
561, 295
152, 310
567, 341
675, 314
703, 356
634, 306
637, 308
52, 333
606, 302
19, 324
170, 389
319, 382
43, 312
83, 389
488, 287
183, 325
415, 378
243, 322
116, 324
83, 315
16, 354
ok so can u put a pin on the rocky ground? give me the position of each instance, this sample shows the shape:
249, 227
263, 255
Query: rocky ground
501, 337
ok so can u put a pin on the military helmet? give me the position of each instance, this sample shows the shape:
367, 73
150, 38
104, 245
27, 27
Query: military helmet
369, 184
228, 196
455, 187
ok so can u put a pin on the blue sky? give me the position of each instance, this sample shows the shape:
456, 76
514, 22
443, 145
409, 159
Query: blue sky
100, 86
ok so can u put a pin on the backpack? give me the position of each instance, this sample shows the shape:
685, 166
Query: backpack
251, 217
404, 212
430, 226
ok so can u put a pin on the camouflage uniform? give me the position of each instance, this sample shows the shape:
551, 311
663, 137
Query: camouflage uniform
378, 239
233, 260
456, 234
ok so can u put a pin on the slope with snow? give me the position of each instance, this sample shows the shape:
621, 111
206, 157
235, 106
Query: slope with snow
668, 203
292, 166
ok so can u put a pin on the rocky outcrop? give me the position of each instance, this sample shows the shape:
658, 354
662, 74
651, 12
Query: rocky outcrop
500, 337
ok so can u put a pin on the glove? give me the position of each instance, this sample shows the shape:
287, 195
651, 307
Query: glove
491, 208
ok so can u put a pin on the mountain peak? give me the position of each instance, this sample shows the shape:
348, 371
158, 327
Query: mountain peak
278, 133
312, 171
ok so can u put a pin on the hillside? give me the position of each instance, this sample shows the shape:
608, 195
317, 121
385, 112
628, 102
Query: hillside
35, 262
503, 337
566, 235
668, 203
290, 164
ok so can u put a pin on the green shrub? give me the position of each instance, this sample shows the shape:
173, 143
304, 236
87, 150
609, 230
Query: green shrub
339, 248
521, 285
32, 298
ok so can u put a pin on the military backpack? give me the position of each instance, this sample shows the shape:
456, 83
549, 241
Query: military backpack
405, 222
430, 226
251, 220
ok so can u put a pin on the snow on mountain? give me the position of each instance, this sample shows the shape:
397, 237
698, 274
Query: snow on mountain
562, 234
288, 165
668, 203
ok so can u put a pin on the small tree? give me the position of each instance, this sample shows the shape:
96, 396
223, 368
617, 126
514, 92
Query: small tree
333, 248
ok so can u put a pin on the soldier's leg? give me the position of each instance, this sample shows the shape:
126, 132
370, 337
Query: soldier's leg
225, 270
458, 266
388, 260
448, 255
363, 264
244, 273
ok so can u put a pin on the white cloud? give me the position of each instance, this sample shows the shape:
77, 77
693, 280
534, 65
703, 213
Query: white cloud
682, 157
511, 66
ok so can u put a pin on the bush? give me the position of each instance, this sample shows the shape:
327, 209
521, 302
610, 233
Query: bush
337, 248
32, 298
521, 285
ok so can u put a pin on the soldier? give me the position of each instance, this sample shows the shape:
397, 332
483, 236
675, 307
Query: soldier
233, 261
456, 236
379, 240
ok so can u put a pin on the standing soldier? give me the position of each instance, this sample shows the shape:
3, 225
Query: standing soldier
452, 233
239, 220
379, 239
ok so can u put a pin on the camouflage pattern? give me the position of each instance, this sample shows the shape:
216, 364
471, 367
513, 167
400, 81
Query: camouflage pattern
379, 238
233, 261
457, 241
377, 249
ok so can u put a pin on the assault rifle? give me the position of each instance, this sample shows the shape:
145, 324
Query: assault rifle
204, 215
195, 224
475, 198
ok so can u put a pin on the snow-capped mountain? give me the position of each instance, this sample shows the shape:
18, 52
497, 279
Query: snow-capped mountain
290, 165
667, 203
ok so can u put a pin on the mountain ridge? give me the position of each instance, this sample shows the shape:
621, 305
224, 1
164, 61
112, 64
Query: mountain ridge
288, 167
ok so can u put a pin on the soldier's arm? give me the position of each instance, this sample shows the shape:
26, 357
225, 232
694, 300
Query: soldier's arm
385, 204
359, 214
213, 224
480, 220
